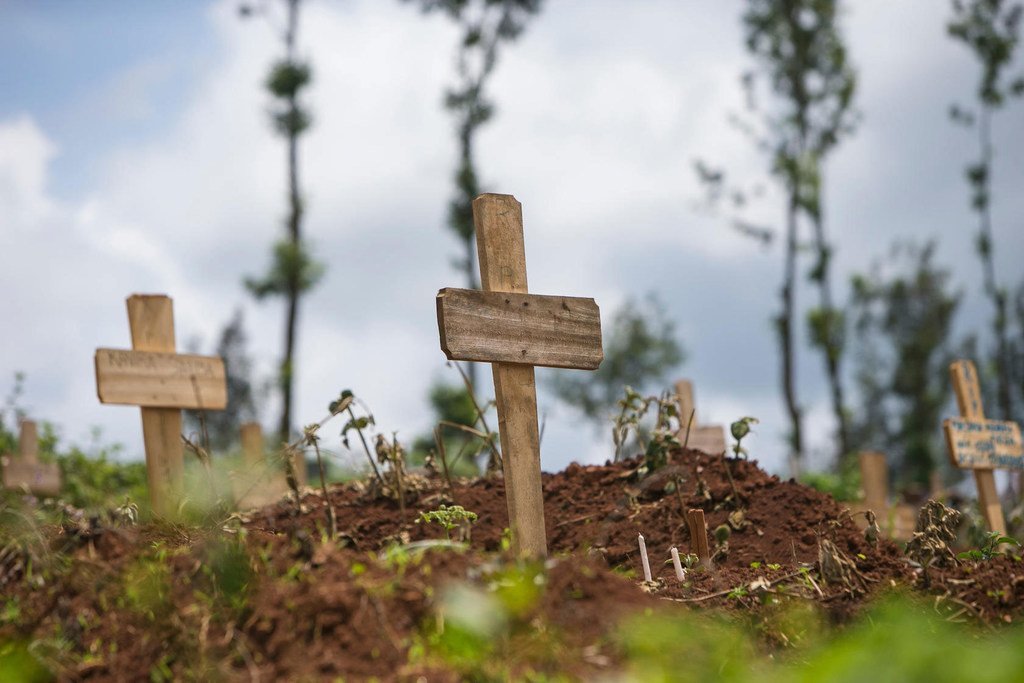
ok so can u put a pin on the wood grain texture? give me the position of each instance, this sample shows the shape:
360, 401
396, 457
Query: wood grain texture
151, 319
874, 477
551, 331
160, 380
502, 253
968, 398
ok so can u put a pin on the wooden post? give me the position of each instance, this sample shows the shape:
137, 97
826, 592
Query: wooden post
153, 377
699, 536
981, 444
874, 479
707, 438
25, 471
514, 331
252, 445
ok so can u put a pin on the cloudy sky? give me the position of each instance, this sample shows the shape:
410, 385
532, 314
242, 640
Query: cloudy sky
136, 156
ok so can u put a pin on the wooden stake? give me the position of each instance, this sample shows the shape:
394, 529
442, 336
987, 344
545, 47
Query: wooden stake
151, 319
699, 536
874, 477
509, 333
252, 445
968, 399
25, 471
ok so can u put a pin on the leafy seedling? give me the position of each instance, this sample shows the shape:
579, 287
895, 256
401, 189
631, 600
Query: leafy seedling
450, 517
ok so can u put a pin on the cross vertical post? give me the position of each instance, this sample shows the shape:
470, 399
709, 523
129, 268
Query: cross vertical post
151, 319
514, 331
502, 255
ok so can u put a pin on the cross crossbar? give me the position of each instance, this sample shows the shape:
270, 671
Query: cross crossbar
502, 327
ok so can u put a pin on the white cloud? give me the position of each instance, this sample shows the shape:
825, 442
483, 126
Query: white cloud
601, 112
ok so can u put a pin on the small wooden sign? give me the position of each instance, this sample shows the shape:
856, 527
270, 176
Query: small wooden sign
978, 443
709, 439
513, 330
160, 380
986, 444
25, 471
161, 383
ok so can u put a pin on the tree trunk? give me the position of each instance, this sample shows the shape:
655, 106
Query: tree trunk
785, 329
287, 369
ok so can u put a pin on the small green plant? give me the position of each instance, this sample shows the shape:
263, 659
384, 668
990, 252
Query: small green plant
740, 428
632, 409
450, 517
989, 548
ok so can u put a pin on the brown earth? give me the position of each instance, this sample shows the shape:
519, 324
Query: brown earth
263, 598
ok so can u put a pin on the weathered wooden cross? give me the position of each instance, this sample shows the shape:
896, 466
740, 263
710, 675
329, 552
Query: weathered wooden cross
515, 331
25, 471
979, 444
161, 382
710, 439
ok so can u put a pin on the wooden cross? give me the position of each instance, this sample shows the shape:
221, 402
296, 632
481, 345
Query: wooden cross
980, 444
263, 480
515, 331
874, 479
161, 382
24, 471
710, 439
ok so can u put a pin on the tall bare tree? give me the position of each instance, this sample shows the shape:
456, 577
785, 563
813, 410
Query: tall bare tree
484, 26
293, 271
991, 30
802, 59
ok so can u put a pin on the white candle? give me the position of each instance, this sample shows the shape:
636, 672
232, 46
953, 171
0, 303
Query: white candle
680, 572
643, 558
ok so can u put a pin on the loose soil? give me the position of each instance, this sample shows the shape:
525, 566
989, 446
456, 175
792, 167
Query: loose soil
263, 599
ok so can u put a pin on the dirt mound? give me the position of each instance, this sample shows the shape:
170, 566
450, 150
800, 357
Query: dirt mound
262, 597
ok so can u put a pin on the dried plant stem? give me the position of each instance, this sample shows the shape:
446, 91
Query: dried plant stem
366, 447
689, 425
494, 464
442, 453
332, 520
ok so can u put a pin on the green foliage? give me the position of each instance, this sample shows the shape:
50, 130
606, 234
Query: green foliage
94, 480
484, 25
449, 517
904, 314
991, 30
640, 349
633, 407
989, 547
451, 404
292, 263
739, 430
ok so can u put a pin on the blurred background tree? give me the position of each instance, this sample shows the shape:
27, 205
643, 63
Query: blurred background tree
293, 270
991, 31
903, 311
484, 25
802, 59
640, 351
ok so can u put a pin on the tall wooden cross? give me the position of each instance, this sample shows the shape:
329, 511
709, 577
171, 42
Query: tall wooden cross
515, 331
25, 471
162, 383
980, 444
707, 438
